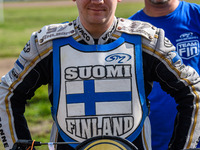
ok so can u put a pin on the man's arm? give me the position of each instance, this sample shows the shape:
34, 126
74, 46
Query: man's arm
183, 83
30, 71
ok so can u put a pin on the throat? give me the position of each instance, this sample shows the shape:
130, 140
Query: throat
96, 41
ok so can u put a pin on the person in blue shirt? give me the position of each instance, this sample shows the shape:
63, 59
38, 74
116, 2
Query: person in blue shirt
181, 22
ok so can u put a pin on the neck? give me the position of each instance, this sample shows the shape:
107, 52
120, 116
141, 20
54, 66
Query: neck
158, 10
101, 33
97, 29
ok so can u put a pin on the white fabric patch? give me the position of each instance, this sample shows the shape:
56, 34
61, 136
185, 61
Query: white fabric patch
104, 108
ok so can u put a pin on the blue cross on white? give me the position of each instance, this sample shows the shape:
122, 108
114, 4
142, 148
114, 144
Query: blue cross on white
98, 97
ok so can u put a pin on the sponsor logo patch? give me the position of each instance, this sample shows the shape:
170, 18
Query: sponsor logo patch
188, 45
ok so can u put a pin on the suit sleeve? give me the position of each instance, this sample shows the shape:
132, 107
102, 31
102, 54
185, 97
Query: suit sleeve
30, 71
183, 83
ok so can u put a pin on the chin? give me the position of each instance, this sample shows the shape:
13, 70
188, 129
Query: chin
97, 21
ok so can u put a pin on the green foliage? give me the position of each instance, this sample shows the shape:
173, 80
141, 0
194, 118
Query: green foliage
38, 115
21, 22
193, 1
38, 106
127, 9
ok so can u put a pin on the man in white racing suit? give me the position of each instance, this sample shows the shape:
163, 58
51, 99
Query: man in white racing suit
99, 70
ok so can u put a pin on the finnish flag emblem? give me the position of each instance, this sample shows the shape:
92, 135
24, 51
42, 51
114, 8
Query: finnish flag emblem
98, 97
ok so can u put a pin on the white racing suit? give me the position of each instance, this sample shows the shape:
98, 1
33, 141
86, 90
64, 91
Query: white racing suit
99, 87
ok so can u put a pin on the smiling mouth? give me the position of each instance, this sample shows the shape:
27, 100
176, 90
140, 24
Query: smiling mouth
96, 9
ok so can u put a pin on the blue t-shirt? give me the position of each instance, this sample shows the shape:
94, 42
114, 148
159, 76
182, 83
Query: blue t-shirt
182, 28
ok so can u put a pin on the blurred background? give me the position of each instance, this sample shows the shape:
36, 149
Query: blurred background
18, 19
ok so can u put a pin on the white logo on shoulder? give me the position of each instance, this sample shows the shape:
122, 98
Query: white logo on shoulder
186, 35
